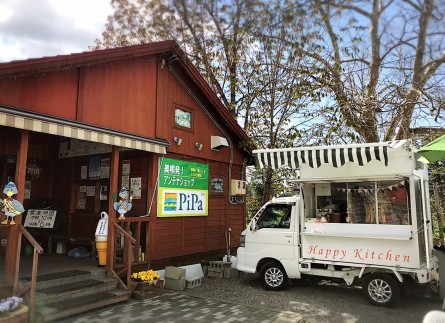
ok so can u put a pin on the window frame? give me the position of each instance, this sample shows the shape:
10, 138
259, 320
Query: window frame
187, 110
288, 214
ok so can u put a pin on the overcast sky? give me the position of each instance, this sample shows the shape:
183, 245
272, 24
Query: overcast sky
37, 28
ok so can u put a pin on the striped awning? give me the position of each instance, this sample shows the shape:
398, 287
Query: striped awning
15, 118
336, 156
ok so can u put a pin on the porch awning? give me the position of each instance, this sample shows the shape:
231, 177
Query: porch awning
336, 156
20, 119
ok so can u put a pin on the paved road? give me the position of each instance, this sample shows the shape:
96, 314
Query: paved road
244, 300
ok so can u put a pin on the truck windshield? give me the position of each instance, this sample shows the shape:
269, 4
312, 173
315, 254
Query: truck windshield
275, 216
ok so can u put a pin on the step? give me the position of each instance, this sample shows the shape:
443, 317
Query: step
81, 288
80, 304
64, 277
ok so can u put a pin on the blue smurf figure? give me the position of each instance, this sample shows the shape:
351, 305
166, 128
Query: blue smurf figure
11, 207
123, 206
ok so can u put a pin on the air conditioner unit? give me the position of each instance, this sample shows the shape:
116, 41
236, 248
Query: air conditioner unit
237, 187
217, 142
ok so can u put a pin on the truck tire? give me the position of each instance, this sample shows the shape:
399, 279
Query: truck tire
273, 276
381, 289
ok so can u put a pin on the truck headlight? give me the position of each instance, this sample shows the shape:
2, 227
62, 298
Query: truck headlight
242, 241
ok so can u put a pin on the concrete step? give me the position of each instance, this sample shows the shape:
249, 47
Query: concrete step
80, 304
66, 293
81, 288
64, 277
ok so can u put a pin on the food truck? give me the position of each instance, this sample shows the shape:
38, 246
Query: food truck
362, 215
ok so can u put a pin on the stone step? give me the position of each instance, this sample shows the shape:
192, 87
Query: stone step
68, 291
63, 277
79, 305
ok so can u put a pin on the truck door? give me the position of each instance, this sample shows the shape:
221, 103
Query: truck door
273, 235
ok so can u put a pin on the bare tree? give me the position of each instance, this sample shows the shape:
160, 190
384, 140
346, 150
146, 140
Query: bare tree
215, 34
383, 62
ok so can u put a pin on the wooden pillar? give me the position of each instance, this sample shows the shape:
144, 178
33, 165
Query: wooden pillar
150, 227
114, 181
12, 260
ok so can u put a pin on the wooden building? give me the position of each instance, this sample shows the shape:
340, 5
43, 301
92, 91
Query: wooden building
76, 128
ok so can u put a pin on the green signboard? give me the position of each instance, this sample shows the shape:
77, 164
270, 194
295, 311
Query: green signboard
183, 188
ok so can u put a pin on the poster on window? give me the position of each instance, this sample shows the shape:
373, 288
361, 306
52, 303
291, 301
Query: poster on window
126, 181
84, 172
126, 167
135, 188
94, 168
105, 168
183, 188
103, 193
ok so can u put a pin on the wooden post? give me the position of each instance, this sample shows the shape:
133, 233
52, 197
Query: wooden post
12, 260
114, 180
35, 264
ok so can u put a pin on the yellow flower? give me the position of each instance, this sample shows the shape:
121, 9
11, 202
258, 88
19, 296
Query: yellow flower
146, 276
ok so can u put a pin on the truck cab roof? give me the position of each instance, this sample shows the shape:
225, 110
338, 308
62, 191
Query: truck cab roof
285, 200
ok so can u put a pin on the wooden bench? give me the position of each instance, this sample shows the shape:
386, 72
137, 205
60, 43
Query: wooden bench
81, 231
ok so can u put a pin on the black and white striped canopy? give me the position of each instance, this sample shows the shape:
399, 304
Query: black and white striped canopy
336, 156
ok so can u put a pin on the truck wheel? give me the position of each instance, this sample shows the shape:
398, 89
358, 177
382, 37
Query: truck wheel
435, 287
381, 289
274, 277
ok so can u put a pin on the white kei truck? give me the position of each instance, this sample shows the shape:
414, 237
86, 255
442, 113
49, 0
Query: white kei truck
362, 216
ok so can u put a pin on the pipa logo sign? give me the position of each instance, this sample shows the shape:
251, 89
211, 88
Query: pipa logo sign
183, 189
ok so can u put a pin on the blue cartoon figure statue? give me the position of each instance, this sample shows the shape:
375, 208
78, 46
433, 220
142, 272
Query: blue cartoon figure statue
123, 206
11, 207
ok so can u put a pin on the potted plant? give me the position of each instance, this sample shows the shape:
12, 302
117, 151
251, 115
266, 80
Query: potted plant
12, 310
146, 283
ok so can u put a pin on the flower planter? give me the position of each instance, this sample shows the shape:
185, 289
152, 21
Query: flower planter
20, 315
142, 290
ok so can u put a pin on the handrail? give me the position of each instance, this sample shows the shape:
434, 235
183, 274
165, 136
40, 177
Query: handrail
30, 238
127, 236
125, 233
37, 249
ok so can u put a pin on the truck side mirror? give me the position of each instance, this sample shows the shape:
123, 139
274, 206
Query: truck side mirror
253, 226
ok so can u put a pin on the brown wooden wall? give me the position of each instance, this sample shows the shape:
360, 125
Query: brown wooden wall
172, 94
52, 93
179, 236
137, 96
120, 95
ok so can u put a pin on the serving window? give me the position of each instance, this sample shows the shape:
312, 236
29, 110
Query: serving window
367, 202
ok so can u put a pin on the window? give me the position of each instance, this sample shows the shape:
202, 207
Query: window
275, 216
361, 202
183, 118
393, 202
389, 197
367, 202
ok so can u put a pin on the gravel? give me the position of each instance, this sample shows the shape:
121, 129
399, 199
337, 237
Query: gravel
317, 300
